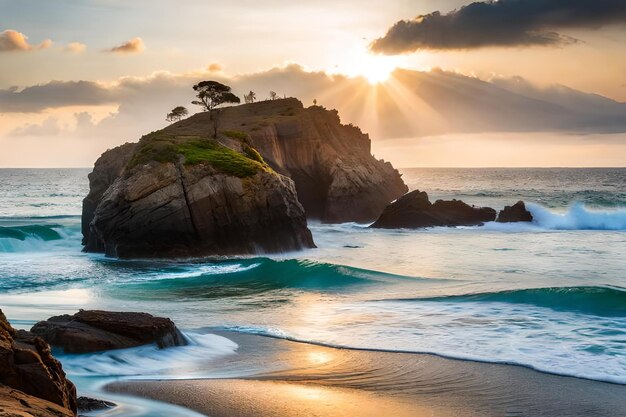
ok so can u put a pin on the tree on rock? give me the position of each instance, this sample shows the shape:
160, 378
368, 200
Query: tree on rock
273, 95
177, 114
250, 97
212, 94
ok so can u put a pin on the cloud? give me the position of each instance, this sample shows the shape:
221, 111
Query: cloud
14, 41
75, 48
215, 67
500, 23
414, 104
133, 46
49, 127
54, 94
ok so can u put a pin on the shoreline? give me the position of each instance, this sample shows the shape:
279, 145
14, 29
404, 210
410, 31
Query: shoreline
413, 352
273, 376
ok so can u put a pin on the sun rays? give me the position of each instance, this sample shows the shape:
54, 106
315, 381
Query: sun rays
380, 99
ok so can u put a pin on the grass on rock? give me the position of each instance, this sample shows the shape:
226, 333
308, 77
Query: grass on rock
161, 147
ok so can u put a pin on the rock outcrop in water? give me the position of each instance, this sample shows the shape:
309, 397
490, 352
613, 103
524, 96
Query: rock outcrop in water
180, 193
414, 210
515, 213
32, 381
95, 330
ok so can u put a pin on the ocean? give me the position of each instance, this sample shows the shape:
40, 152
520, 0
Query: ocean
550, 295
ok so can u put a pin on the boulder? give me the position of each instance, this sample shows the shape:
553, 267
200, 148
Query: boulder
86, 404
515, 213
95, 330
31, 377
414, 210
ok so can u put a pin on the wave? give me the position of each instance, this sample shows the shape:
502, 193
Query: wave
245, 277
35, 237
150, 361
611, 372
41, 232
593, 300
578, 217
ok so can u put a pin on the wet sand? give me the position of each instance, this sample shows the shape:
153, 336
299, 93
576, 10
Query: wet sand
273, 377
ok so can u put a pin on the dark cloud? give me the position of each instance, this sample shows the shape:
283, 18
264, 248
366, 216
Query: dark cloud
500, 23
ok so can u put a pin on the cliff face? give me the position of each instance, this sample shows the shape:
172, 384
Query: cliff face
106, 170
181, 195
336, 177
32, 382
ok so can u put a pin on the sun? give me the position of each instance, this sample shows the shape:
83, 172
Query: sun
376, 69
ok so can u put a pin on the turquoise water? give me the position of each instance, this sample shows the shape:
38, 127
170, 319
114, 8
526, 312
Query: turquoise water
550, 295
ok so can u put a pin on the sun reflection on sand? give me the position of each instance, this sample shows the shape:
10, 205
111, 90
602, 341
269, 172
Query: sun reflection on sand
319, 357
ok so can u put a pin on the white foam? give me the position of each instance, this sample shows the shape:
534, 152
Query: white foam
30, 244
150, 361
578, 217
199, 271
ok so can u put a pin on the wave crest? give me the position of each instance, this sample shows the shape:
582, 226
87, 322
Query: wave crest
599, 301
578, 217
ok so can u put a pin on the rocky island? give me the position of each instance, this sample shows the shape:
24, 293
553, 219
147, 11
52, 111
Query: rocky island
245, 184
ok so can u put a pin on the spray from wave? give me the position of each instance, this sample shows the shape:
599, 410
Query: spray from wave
579, 217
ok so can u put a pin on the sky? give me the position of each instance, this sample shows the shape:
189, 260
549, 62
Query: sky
434, 82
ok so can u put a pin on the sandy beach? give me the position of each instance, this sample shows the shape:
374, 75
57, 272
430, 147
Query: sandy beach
284, 378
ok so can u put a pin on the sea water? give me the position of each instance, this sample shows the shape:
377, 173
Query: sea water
550, 295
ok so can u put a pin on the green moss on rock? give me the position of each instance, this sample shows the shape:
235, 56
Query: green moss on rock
253, 154
154, 147
235, 134
164, 147
220, 157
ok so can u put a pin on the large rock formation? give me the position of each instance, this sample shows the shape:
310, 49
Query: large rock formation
182, 195
515, 213
414, 210
336, 177
32, 382
179, 193
95, 330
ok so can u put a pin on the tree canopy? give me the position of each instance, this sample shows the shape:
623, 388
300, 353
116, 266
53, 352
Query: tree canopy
211, 94
176, 114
